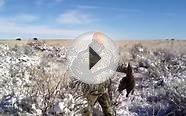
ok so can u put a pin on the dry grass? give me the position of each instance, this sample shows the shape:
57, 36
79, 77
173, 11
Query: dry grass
176, 45
48, 42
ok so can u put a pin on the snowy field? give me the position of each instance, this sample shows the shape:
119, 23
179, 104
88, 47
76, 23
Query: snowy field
34, 79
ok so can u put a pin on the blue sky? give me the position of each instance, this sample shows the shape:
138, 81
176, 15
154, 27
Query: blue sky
119, 19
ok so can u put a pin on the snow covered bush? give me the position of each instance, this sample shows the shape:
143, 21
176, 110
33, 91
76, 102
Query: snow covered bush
34, 80
163, 81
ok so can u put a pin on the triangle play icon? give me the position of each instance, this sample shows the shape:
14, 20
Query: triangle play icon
93, 58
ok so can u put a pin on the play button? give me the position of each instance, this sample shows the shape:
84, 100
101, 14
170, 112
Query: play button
93, 58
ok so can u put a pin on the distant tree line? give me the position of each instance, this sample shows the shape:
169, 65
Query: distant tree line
19, 39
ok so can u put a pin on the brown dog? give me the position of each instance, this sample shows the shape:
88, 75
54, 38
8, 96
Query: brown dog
127, 82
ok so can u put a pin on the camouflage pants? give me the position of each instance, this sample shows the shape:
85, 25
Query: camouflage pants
103, 100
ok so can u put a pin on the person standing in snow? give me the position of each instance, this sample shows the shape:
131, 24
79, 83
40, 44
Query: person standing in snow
96, 92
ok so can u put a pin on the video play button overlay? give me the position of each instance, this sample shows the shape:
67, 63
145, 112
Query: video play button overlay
93, 58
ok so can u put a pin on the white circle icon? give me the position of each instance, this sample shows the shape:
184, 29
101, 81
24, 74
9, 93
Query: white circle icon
93, 58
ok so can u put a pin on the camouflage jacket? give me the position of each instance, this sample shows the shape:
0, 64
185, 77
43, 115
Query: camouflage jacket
92, 89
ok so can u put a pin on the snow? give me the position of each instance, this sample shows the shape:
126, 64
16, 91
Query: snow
25, 72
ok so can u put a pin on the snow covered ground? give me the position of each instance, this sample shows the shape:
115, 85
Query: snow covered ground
34, 81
